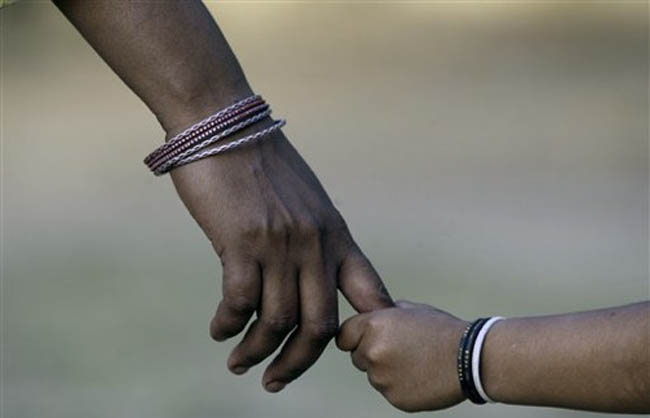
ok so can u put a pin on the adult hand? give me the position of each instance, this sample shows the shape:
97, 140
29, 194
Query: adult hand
283, 246
284, 249
409, 354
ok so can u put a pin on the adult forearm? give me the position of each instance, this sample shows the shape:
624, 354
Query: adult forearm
170, 53
596, 360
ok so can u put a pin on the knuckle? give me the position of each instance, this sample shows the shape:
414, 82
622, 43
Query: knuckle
279, 231
376, 324
376, 353
322, 331
281, 324
307, 228
253, 229
240, 304
265, 231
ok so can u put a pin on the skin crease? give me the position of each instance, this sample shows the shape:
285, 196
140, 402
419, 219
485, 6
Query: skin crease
284, 248
597, 360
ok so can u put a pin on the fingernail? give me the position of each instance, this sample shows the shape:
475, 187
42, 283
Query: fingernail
239, 369
275, 386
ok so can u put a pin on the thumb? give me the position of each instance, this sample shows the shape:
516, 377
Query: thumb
351, 332
361, 285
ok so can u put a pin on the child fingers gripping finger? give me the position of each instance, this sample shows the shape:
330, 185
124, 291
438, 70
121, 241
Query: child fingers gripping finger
409, 354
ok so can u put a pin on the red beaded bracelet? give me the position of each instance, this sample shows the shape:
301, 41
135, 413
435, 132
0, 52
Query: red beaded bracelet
189, 145
180, 139
189, 142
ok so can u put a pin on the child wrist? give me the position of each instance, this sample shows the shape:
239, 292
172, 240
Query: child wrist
469, 365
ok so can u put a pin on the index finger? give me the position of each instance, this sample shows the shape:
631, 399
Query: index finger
361, 285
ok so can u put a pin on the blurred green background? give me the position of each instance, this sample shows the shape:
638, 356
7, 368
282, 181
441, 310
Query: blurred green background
489, 157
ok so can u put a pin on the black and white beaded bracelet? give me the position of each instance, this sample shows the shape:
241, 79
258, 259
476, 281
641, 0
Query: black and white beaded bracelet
469, 359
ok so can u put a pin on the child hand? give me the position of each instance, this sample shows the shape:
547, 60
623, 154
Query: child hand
409, 354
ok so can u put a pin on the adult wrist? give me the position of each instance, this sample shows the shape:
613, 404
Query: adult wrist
206, 138
187, 106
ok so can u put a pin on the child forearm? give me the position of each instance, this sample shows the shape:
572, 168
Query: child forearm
598, 360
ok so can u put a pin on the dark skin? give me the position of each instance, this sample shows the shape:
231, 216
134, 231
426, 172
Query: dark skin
284, 247
597, 361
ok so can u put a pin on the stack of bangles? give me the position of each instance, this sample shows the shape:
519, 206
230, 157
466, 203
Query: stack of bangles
469, 359
189, 145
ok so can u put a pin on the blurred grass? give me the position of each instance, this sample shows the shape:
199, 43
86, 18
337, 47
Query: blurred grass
489, 158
